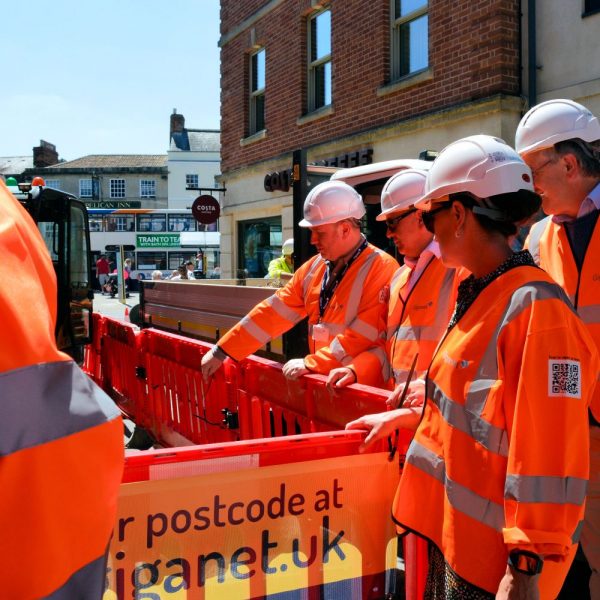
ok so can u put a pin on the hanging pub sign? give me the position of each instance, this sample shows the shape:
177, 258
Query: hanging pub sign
206, 209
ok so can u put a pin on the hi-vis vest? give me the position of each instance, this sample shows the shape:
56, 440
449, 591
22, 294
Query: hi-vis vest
500, 458
353, 322
549, 246
61, 437
418, 324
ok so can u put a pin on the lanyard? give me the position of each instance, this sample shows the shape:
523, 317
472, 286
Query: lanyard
326, 294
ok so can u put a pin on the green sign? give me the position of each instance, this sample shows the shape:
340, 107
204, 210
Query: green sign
158, 240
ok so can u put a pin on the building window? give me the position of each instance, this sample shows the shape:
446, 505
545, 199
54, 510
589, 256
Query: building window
85, 188
410, 39
147, 188
259, 242
319, 60
191, 180
257, 92
117, 188
53, 183
591, 6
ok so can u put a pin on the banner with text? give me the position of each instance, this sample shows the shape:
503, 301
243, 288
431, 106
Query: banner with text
237, 530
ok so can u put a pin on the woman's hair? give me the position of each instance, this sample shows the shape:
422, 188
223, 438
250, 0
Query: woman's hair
509, 210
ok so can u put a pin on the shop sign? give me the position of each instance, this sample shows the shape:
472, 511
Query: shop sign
206, 209
114, 204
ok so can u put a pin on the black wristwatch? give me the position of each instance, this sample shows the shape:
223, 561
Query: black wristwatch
523, 561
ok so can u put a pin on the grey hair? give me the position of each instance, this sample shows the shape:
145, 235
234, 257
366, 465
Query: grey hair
586, 153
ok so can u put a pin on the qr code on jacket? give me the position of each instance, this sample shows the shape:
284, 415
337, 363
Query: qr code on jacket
564, 378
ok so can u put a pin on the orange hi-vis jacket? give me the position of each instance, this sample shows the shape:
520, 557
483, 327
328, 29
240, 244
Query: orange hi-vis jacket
550, 248
354, 320
419, 323
61, 437
500, 459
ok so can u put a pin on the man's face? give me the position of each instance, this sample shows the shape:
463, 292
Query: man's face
328, 240
549, 180
407, 233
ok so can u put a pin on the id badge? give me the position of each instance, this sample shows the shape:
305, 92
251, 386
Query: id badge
320, 333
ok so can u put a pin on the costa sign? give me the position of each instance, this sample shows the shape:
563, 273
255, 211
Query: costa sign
206, 209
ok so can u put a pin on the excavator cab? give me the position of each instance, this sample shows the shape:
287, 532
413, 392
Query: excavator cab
63, 224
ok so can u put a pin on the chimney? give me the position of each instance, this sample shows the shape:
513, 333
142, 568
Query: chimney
177, 122
44, 155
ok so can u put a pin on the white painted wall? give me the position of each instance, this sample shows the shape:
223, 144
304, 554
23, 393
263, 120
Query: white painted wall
207, 165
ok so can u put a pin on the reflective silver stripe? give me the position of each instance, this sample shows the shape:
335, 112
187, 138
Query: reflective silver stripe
85, 584
577, 533
283, 310
555, 490
49, 401
460, 497
535, 235
364, 329
337, 350
358, 285
306, 284
590, 314
255, 330
493, 438
487, 372
421, 334
334, 328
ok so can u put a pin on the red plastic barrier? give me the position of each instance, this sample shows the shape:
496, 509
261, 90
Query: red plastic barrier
92, 356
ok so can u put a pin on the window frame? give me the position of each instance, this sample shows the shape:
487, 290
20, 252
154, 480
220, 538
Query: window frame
395, 27
146, 182
313, 65
256, 95
192, 179
113, 190
91, 188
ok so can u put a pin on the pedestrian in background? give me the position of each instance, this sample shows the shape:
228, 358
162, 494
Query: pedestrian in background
282, 268
102, 271
61, 436
560, 141
495, 476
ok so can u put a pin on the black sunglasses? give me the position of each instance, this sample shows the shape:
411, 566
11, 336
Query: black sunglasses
429, 216
393, 223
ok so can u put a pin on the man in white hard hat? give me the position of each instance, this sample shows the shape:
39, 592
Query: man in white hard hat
283, 267
343, 290
422, 295
560, 141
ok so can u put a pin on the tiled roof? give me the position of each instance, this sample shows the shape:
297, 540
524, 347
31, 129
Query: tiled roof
196, 140
15, 165
109, 161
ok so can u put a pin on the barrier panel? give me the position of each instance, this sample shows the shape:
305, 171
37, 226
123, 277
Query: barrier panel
300, 517
92, 358
155, 377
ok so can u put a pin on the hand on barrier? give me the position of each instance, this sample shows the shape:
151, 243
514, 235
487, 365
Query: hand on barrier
340, 378
210, 364
414, 397
384, 424
294, 368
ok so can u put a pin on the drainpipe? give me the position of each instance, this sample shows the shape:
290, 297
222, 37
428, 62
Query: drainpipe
531, 54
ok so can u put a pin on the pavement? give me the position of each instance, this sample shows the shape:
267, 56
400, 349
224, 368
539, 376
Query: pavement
112, 307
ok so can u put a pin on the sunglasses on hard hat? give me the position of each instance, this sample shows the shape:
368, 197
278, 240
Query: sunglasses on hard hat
393, 223
429, 215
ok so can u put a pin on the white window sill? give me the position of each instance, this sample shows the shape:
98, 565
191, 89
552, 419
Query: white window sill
320, 113
255, 137
406, 82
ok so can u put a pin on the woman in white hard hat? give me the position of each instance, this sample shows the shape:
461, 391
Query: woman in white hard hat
496, 473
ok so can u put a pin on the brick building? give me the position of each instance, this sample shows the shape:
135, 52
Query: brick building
350, 81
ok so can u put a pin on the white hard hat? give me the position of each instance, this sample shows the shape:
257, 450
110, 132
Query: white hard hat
330, 202
481, 165
401, 191
555, 121
288, 247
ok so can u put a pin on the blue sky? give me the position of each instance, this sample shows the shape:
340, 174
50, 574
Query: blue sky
103, 76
